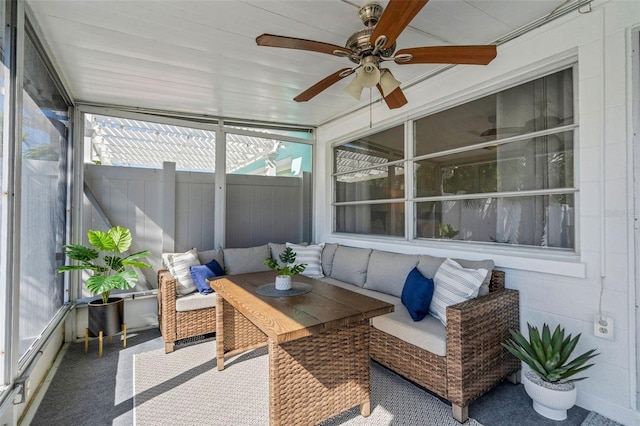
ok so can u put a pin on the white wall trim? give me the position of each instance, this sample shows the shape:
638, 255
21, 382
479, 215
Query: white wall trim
633, 203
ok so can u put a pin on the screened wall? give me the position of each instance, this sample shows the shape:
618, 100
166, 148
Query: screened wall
36, 141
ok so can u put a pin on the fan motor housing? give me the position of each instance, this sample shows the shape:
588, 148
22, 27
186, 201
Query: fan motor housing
370, 14
360, 44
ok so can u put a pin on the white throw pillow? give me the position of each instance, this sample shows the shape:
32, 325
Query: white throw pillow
311, 255
179, 264
454, 284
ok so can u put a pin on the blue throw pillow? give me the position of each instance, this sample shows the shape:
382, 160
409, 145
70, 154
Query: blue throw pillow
200, 275
215, 268
416, 294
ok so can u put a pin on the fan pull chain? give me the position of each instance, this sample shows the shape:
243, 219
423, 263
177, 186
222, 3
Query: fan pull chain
370, 109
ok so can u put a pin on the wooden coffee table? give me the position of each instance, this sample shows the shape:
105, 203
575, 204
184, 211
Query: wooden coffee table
318, 343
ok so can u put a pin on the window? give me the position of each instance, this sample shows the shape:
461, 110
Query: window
369, 184
498, 169
129, 142
139, 143
251, 154
5, 168
43, 191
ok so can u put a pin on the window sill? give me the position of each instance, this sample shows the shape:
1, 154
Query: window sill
543, 260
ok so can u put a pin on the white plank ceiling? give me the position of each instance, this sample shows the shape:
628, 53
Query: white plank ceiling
201, 56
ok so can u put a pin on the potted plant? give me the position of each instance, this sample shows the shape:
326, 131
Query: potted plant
550, 383
108, 272
290, 269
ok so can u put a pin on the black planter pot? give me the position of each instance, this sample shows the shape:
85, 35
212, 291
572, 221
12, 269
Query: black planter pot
106, 317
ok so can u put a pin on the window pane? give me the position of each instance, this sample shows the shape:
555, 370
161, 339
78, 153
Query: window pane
250, 155
370, 151
544, 221
541, 104
373, 184
136, 143
43, 191
300, 134
539, 163
381, 219
5, 82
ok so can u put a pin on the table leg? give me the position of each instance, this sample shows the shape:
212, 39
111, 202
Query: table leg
365, 409
234, 332
314, 378
220, 332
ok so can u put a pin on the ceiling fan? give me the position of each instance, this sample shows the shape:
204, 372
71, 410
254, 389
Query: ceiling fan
375, 44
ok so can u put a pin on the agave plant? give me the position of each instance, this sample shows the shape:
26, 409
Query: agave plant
109, 271
548, 355
288, 256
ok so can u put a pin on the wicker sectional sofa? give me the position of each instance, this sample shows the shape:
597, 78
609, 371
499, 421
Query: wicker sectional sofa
459, 362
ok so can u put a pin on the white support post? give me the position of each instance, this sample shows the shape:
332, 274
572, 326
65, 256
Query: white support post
220, 195
169, 207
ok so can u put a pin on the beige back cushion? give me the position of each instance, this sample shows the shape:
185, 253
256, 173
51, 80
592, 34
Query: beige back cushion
387, 271
244, 260
350, 265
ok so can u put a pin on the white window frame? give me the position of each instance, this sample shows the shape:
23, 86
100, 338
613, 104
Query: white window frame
514, 79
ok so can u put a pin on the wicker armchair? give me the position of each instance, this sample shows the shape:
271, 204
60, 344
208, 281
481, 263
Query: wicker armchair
176, 325
475, 360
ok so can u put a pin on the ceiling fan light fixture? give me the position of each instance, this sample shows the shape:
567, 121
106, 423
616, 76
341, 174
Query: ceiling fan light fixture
376, 43
354, 88
388, 82
369, 75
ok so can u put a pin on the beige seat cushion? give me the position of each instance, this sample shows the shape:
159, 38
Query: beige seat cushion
428, 334
195, 301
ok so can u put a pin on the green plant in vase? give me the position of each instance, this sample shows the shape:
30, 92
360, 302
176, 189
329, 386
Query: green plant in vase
290, 268
108, 271
550, 383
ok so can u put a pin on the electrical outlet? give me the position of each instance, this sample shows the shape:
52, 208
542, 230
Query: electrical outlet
603, 327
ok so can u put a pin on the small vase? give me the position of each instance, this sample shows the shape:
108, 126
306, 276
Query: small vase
283, 282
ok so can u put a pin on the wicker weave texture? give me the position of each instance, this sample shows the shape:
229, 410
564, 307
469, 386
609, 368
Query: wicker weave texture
316, 377
239, 332
416, 364
475, 360
195, 323
180, 325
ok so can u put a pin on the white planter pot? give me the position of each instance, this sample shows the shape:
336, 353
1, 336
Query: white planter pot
283, 282
549, 400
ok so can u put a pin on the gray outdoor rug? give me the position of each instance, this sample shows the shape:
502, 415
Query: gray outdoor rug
595, 419
185, 388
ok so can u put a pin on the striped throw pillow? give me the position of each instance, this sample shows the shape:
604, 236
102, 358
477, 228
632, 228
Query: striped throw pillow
310, 255
179, 265
454, 284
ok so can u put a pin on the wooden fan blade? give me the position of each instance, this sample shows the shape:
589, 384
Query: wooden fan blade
321, 85
395, 99
395, 18
472, 55
271, 40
